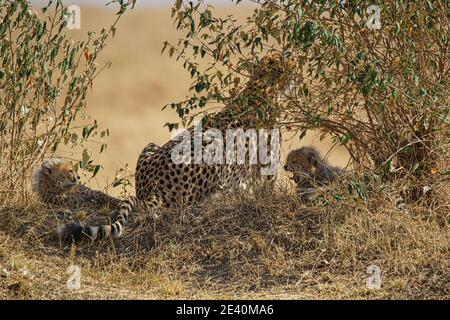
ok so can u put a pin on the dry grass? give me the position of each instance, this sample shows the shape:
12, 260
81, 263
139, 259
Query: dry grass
260, 245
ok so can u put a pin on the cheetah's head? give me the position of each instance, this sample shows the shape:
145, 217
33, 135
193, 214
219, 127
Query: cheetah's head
302, 163
54, 175
272, 71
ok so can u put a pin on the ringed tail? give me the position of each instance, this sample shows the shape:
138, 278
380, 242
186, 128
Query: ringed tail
77, 232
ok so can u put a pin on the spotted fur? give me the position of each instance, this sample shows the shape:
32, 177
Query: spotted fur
56, 183
162, 183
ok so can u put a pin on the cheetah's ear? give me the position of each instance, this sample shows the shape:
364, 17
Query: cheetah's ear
47, 168
312, 157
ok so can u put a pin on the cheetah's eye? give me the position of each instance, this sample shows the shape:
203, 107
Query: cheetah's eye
74, 176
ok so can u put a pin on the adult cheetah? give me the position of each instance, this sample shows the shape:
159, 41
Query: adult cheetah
160, 182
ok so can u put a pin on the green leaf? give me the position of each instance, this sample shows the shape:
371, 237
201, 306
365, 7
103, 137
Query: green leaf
96, 169
166, 43
64, 65
302, 134
395, 93
260, 114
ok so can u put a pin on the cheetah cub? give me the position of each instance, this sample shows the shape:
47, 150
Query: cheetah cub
310, 170
56, 183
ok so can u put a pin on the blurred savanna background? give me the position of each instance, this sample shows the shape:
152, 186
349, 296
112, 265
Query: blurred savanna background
373, 99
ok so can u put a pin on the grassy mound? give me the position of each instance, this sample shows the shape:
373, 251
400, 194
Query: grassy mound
253, 245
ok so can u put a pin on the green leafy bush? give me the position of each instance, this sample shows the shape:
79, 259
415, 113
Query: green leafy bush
44, 80
380, 92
